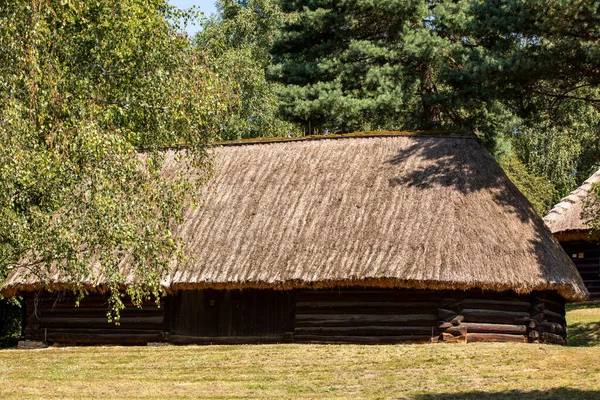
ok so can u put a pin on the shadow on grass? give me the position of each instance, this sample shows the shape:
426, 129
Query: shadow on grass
582, 306
584, 329
551, 394
583, 334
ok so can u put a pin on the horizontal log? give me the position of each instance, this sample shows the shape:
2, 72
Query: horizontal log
549, 316
85, 338
31, 331
534, 336
554, 317
555, 302
358, 304
363, 319
496, 316
367, 330
183, 339
86, 302
444, 325
365, 307
459, 330
474, 327
448, 301
368, 297
90, 312
495, 337
503, 296
547, 337
538, 308
450, 338
102, 323
501, 305
553, 327
367, 310
364, 339
123, 320
445, 314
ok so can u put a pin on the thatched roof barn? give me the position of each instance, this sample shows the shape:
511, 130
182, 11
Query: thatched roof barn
565, 218
572, 230
425, 213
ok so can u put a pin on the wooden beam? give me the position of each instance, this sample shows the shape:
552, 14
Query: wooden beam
367, 330
364, 339
495, 337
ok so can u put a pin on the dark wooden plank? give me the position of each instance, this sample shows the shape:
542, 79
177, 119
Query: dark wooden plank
368, 310
305, 320
41, 331
473, 327
85, 338
368, 304
364, 339
551, 316
547, 337
97, 312
375, 330
501, 305
183, 339
368, 296
495, 316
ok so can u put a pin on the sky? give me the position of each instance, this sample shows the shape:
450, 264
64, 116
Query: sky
206, 6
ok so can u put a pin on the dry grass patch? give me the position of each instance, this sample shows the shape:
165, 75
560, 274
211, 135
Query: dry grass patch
473, 371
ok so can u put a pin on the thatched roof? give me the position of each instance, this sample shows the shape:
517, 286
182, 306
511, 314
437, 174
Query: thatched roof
565, 217
388, 211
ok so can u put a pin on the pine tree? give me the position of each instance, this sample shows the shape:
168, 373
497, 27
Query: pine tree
357, 65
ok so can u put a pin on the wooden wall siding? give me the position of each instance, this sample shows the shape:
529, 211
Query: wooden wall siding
53, 317
586, 257
478, 317
344, 315
404, 316
200, 316
366, 316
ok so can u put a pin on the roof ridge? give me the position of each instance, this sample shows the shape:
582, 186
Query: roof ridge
354, 135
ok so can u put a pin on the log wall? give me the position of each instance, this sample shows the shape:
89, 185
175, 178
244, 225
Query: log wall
502, 317
586, 256
366, 316
344, 315
53, 318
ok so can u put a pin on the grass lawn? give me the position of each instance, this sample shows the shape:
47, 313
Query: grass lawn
438, 371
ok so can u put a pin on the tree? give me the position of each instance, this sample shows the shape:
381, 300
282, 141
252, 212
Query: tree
540, 60
238, 39
84, 88
357, 65
522, 73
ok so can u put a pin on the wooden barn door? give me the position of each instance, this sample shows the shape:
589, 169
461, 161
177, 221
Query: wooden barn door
248, 315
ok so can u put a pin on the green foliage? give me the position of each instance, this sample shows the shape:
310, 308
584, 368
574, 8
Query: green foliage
539, 59
10, 321
522, 71
238, 39
539, 191
356, 65
85, 86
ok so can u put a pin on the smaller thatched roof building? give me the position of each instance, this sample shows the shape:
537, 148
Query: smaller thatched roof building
565, 219
572, 230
